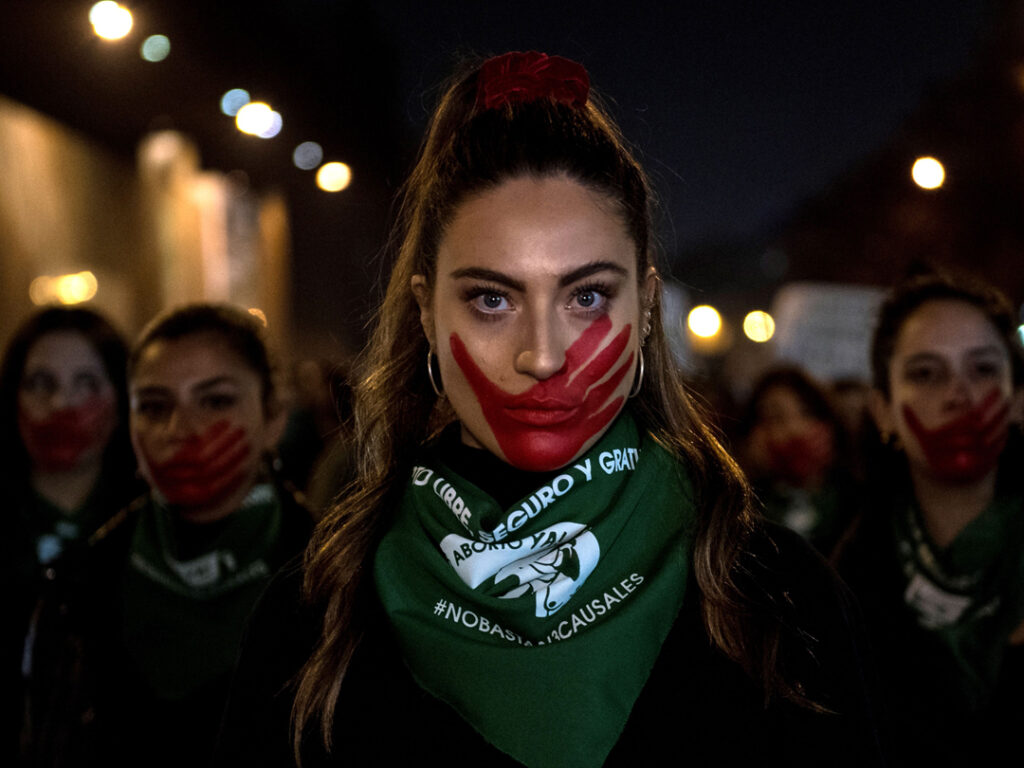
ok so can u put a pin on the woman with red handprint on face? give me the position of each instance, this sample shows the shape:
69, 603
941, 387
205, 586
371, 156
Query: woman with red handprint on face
161, 597
796, 451
938, 558
67, 466
547, 558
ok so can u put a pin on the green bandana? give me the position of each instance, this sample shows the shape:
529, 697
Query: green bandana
184, 613
540, 624
971, 594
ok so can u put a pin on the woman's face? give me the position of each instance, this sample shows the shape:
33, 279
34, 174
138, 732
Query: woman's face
535, 317
67, 406
789, 442
198, 424
951, 392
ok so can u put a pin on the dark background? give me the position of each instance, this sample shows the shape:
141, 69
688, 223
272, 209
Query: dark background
779, 135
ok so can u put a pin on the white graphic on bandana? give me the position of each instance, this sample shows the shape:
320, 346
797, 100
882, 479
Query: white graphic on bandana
553, 563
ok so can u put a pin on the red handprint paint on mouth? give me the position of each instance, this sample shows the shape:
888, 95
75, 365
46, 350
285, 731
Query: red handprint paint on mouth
57, 442
206, 470
968, 447
544, 427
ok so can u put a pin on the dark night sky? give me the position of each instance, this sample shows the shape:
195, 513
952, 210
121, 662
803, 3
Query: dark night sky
740, 109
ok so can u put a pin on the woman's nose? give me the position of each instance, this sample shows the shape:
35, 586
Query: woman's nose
961, 394
542, 353
180, 423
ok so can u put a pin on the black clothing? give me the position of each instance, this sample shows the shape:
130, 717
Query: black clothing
927, 715
696, 705
90, 703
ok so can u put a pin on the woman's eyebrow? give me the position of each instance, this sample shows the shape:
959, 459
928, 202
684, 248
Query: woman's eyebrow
919, 357
989, 349
479, 273
216, 381
592, 268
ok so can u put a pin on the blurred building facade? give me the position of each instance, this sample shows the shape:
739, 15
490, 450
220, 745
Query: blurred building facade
152, 233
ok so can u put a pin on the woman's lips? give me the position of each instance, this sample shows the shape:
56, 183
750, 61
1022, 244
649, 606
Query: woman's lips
541, 416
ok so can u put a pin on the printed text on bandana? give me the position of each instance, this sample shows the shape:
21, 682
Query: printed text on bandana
608, 462
577, 621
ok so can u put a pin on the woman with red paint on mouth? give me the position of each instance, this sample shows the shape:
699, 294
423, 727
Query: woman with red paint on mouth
136, 645
547, 558
797, 453
937, 559
68, 465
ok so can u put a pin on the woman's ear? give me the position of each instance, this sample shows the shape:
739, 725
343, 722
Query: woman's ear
1017, 408
421, 290
274, 429
881, 413
649, 290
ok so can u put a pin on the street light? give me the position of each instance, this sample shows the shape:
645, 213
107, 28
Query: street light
928, 173
110, 20
704, 321
333, 177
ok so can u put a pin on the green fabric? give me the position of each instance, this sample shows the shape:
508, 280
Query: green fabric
540, 624
183, 618
970, 594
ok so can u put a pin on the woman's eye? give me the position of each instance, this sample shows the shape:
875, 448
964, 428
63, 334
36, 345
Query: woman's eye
588, 298
39, 383
987, 369
925, 374
220, 402
490, 302
154, 410
88, 383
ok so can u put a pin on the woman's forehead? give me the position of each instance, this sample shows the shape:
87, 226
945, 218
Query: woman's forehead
64, 350
190, 358
947, 327
543, 226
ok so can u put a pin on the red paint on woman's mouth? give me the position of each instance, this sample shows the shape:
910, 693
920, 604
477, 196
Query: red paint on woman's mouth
206, 470
968, 447
545, 427
57, 442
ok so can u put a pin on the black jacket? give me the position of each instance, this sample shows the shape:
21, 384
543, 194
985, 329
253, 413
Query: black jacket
89, 704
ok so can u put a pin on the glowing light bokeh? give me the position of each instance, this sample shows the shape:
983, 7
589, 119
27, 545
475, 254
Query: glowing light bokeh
333, 177
1020, 333
110, 20
155, 48
308, 155
64, 289
928, 173
233, 100
276, 123
254, 118
704, 321
758, 326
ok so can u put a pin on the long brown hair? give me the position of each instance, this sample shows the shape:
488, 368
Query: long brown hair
468, 150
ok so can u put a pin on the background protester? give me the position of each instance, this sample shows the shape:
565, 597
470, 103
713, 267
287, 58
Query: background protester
547, 557
67, 465
135, 644
937, 558
796, 450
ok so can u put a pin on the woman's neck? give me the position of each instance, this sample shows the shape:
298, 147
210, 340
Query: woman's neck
948, 508
68, 489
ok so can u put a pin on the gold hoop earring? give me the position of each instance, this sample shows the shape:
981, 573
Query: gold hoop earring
439, 391
639, 380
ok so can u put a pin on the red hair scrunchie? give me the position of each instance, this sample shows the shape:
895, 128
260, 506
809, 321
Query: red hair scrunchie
517, 78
